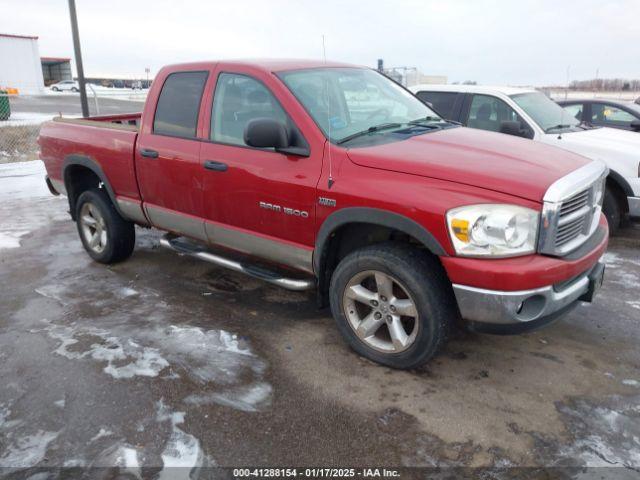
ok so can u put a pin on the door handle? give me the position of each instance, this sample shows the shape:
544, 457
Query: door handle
216, 166
146, 152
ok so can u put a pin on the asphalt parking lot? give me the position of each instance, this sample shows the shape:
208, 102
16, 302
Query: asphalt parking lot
167, 361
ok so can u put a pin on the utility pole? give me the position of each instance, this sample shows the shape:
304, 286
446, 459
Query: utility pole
76, 47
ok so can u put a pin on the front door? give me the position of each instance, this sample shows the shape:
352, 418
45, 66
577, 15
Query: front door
257, 201
168, 157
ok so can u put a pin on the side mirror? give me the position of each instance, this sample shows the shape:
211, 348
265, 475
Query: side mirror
266, 133
635, 125
513, 128
270, 133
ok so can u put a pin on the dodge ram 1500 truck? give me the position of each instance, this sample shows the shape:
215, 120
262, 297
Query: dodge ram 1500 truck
330, 176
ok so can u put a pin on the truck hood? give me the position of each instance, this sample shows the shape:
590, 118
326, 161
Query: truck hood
493, 161
619, 149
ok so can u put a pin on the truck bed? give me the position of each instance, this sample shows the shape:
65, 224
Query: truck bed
126, 121
108, 141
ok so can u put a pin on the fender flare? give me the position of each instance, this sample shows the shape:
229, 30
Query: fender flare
374, 216
89, 163
621, 182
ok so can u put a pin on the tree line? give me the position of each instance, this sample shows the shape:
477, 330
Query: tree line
606, 84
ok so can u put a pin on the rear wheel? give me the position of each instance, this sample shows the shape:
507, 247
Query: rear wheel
393, 304
612, 210
105, 235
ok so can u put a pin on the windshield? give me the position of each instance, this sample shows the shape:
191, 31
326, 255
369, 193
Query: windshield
347, 101
545, 112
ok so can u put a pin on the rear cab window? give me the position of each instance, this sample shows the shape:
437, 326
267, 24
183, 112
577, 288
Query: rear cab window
178, 104
442, 102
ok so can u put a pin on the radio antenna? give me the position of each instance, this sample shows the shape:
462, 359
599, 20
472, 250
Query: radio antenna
326, 99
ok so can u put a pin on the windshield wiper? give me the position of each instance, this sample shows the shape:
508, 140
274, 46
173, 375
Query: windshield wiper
427, 119
375, 128
557, 127
430, 119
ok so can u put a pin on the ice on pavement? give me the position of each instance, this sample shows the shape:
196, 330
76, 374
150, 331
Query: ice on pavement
18, 182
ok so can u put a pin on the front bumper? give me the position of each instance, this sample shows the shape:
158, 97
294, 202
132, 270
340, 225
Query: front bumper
526, 308
634, 206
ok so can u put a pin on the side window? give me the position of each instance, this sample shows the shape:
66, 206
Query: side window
237, 100
605, 114
488, 113
179, 103
442, 101
575, 110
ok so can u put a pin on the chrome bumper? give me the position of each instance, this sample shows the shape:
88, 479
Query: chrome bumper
634, 206
517, 307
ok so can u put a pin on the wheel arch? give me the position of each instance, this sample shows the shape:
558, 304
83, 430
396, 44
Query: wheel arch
359, 226
79, 173
621, 187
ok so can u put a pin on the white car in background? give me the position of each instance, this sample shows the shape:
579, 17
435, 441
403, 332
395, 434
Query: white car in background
529, 113
65, 86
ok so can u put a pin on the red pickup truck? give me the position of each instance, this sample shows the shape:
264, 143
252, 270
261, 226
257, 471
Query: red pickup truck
331, 176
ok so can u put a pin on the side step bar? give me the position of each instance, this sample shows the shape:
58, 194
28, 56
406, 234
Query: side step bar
193, 250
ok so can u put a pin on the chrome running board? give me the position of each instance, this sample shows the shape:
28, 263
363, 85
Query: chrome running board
184, 246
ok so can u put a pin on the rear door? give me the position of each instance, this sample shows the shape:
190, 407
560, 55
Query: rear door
168, 156
606, 114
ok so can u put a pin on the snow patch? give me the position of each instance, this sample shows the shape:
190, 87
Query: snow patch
604, 435
60, 403
28, 451
181, 450
127, 458
142, 361
249, 398
634, 304
631, 383
18, 119
17, 182
103, 432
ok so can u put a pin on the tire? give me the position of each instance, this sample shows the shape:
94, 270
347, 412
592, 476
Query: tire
413, 274
612, 210
105, 235
55, 89
74, 89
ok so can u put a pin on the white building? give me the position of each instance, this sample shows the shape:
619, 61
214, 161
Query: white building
20, 65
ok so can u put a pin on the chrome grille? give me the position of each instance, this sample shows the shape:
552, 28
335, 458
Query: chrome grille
578, 201
571, 210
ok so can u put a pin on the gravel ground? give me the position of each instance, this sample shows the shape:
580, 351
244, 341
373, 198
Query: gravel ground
165, 361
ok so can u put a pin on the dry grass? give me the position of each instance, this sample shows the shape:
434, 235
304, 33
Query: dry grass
18, 143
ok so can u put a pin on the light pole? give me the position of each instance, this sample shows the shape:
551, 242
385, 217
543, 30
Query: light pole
76, 47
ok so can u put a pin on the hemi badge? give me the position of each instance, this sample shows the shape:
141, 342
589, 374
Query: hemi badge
327, 202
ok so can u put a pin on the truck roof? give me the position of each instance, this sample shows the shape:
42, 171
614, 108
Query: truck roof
267, 64
488, 89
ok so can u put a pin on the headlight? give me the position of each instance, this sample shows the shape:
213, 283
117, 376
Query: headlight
493, 230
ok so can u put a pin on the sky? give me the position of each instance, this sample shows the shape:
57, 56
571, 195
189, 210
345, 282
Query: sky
521, 42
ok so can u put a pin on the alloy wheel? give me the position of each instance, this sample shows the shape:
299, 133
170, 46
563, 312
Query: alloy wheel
380, 311
93, 227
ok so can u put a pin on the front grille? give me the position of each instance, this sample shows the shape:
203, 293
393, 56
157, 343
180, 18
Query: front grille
571, 211
578, 201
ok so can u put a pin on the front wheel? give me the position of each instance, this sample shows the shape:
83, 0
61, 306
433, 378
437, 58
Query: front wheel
612, 210
74, 89
105, 235
393, 304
